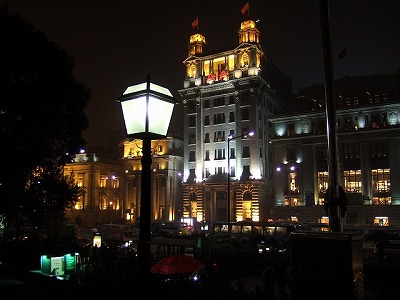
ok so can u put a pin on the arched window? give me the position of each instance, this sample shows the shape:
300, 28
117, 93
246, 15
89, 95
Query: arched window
247, 205
193, 204
115, 204
103, 202
245, 58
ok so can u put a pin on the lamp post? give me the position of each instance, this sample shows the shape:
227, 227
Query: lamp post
147, 110
335, 197
231, 138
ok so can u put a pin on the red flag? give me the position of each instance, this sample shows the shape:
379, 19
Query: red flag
245, 8
195, 23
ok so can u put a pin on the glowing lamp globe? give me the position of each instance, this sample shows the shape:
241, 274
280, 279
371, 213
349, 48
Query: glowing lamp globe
147, 109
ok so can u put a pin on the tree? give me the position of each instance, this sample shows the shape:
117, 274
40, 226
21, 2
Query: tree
41, 122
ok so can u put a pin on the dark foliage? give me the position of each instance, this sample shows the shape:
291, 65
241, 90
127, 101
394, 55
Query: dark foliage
41, 120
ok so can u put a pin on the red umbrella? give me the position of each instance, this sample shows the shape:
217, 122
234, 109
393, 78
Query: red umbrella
177, 264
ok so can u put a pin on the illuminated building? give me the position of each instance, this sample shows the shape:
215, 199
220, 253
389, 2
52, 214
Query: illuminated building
111, 188
368, 122
167, 162
229, 93
102, 194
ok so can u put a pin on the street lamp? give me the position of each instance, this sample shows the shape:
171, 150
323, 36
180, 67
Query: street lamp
147, 110
231, 138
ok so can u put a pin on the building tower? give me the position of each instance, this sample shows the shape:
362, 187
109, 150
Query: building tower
229, 93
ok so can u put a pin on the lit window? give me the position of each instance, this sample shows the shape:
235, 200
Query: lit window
79, 203
103, 181
352, 181
322, 181
381, 180
115, 183
103, 202
80, 180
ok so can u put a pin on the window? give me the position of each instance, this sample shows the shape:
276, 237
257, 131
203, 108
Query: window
115, 203
293, 183
207, 155
305, 127
245, 131
246, 175
115, 183
232, 153
219, 118
103, 181
375, 121
233, 171
219, 136
192, 121
79, 203
245, 58
207, 137
219, 154
192, 138
231, 99
103, 202
246, 152
206, 103
381, 180
245, 113
207, 172
163, 181
382, 200
232, 116
247, 205
80, 180
206, 120
219, 170
352, 181
322, 181
392, 118
191, 104
192, 155
192, 175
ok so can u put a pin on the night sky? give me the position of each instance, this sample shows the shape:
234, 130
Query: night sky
117, 43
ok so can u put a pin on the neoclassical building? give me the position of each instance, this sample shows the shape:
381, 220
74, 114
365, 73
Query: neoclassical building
167, 166
102, 198
368, 135
227, 95
111, 188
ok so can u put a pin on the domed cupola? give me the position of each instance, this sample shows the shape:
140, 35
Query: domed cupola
196, 43
248, 32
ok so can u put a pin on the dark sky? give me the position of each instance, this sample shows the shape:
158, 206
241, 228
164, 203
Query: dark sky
117, 43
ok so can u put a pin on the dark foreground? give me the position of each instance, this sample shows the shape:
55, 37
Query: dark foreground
379, 283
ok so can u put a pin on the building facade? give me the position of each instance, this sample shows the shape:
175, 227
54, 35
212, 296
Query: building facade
111, 188
229, 94
102, 198
167, 166
368, 135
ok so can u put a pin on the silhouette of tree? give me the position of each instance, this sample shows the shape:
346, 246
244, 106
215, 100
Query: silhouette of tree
41, 123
